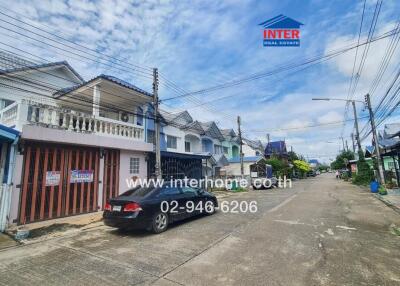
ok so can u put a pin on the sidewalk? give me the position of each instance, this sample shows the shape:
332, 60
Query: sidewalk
392, 199
58, 227
6, 241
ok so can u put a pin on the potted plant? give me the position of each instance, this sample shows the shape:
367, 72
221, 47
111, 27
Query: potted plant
382, 191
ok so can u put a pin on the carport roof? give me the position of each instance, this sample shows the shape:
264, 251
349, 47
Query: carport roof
246, 159
8, 134
184, 155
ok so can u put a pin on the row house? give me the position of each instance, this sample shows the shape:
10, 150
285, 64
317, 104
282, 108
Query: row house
189, 147
79, 140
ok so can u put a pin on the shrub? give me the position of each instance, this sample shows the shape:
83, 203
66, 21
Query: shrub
365, 174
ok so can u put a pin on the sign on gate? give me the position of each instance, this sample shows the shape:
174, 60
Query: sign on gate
53, 178
81, 176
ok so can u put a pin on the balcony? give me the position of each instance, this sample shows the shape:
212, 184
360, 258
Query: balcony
18, 114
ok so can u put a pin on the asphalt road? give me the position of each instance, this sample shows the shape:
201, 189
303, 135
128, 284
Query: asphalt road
320, 232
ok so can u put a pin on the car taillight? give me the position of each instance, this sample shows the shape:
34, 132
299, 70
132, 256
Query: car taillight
107, 207
132, 207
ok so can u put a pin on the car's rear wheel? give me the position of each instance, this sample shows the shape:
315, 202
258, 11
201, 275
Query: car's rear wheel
159, 222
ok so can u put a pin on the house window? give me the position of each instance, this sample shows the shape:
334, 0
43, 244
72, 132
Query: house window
134, 165
226, 150
217, 149
391, 165
150, 136
139, 116
171, 142
187, 146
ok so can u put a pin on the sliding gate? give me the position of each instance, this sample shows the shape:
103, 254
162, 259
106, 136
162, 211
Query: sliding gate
58, 181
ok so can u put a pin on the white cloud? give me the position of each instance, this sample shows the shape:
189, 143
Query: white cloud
199, 44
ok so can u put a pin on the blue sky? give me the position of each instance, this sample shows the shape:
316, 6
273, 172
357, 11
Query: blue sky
198, 44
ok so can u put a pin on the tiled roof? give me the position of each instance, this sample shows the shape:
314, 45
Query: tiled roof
113, 79
277, 147
391, 130
39, 66
254, 144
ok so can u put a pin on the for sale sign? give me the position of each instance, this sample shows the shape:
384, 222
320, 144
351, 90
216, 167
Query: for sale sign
53, 178
81, 176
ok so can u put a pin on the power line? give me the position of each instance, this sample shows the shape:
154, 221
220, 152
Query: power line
148, 69
284, 68
304, 127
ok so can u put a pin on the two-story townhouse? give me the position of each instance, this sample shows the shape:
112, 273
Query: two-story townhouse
180, 146
252, 148
188, 147
80, 140
230, 145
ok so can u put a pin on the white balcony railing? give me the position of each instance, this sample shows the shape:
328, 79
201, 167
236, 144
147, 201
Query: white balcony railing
9, 115
69, 120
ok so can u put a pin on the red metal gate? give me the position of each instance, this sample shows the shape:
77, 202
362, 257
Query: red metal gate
49, 191
111, 175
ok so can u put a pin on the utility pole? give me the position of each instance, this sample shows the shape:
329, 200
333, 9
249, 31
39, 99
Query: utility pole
347, 146
344, 148
241, 146
156, 125
356, 125
375, 137
352, 143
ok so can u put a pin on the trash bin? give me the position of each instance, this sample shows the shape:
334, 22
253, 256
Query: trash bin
374, 186
234, 185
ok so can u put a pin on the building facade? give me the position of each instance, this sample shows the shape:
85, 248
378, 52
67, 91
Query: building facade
76, 149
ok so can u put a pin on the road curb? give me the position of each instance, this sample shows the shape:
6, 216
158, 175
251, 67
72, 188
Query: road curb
387, 202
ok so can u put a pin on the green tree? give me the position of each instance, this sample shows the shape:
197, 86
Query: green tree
365, 174
292, 156
279, 167
301, 167
341, 159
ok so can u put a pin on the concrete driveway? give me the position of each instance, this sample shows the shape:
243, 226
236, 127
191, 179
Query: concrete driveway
321, 232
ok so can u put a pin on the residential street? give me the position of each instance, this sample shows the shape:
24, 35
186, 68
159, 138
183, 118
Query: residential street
321, 232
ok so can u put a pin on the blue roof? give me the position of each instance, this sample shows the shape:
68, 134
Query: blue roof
281, 22
8, 134
276, 147
46, 65
246, 159
106, 77
370, 149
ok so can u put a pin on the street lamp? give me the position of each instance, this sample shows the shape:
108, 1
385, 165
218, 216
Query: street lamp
353, 102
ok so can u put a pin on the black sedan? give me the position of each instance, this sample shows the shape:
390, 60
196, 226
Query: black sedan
154, 208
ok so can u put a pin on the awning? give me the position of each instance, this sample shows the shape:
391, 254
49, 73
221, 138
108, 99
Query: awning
8, 134
184, 155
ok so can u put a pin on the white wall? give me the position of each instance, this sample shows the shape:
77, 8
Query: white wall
176, 132
233, 169
124, 173
247, 151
